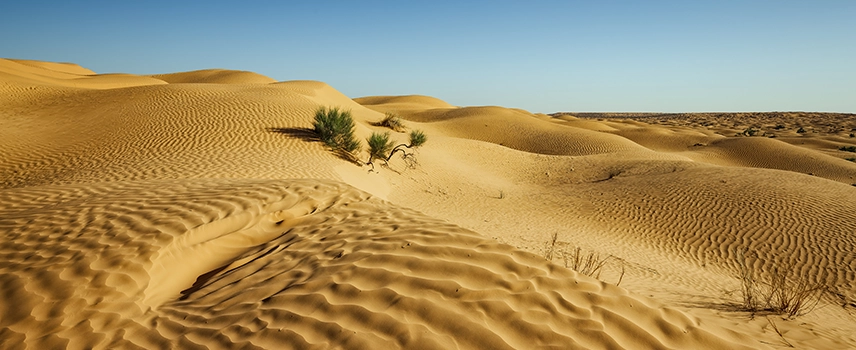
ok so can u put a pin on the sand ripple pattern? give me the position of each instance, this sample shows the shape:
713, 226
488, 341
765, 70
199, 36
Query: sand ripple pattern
160, 132
707, 214
297, 264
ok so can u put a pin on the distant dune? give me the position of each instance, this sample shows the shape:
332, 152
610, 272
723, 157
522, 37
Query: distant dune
214, 76
192, 210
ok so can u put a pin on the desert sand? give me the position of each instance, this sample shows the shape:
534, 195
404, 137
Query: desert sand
190, 210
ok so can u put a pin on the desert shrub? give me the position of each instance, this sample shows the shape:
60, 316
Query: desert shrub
847, 148
336, 129
791, 296
801, 130
779, 127
392, 121
852, 135
379, 147
851, 159
417, 139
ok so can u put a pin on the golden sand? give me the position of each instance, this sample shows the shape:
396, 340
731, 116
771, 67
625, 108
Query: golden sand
177, 211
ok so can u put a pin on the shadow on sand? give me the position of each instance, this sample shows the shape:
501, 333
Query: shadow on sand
309, 135
305, 134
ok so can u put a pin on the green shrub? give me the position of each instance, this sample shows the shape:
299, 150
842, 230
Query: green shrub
336, 129
417, 138
801, 130
847, 148
379, 147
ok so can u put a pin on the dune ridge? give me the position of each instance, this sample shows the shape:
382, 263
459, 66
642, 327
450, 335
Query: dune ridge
214, 76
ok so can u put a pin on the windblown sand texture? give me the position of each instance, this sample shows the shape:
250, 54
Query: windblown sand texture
195, 210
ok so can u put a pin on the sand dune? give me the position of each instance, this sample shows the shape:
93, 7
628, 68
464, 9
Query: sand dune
515, 129
756, 153
404, 104
214, 76
194, 210
35, 75
292, 264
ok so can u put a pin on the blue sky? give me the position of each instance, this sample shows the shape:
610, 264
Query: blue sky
543, 56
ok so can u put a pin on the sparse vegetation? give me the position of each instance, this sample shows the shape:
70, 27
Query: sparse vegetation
791, 296
381, 147
550, 248
852, 159
781, 335
779, 127
336, 129
847, 148
801, 130
590, 264
417, 139
393, 121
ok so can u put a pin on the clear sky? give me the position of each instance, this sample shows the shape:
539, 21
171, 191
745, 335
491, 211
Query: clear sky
543, 56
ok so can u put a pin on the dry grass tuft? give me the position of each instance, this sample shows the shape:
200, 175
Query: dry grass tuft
392, 121
791, 296
590, 264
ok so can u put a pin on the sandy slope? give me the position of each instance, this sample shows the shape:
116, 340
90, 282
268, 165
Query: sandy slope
291, 264
194, 209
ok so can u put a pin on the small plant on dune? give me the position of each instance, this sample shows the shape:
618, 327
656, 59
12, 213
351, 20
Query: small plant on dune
381, 147
801, 130
850, 159
550, 248
847, 148
336, 129
791, 296
748, 283
417, 139
392, 121
590, 264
